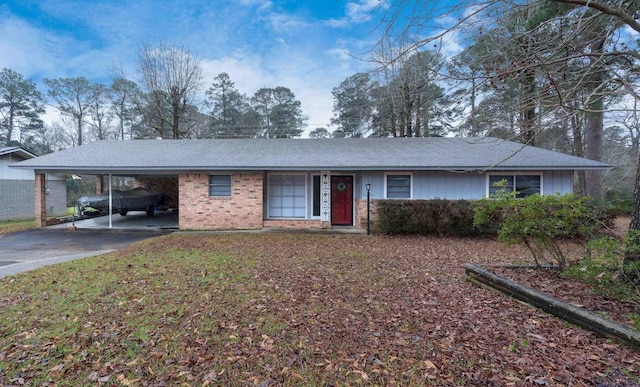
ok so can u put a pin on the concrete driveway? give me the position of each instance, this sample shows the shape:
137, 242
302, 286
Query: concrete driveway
28, 250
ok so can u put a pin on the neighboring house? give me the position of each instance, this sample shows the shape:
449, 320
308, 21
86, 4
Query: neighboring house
316, 183
16, 187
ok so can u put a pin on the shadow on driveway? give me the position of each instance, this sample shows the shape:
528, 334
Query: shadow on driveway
28, 250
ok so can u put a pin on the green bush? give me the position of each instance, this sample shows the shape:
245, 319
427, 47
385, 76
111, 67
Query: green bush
603, 267
427, 217
619, 202
540, 221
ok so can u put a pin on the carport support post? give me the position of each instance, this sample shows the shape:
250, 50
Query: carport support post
110, 202
99, 182
41, 200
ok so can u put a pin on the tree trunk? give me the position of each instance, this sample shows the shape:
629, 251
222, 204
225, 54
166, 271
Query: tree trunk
595, 122
632, 252
580, 186
527, 135
10, 126
79, 131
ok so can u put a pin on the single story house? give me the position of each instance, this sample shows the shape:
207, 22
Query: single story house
314, 183
16, 187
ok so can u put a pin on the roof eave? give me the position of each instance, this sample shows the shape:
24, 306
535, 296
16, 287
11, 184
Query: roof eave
178, 170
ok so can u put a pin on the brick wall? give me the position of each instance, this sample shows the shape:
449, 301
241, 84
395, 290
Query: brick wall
199, 211
40, 200
361, 213
295, 224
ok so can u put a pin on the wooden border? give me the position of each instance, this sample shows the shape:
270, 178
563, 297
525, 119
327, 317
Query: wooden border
585, 319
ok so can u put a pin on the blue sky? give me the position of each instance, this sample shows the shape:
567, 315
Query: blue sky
307, 45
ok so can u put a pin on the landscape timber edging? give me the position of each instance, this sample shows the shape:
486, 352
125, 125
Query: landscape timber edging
573, 314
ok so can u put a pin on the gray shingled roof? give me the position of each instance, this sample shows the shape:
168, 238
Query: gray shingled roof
433, 153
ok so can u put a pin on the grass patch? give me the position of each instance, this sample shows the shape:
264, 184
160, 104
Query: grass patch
10, 226
274, 309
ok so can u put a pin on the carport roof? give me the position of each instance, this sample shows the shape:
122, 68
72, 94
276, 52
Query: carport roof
429, 153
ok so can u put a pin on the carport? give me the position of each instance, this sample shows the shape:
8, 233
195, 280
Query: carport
163, 219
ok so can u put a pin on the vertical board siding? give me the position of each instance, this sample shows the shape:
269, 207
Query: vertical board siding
455, 186
557, 182
7, 173
376, 179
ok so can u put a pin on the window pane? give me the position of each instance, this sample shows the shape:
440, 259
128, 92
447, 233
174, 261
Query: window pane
527, 185
499, 182
399, 186
287, 196
316, 196
220, 185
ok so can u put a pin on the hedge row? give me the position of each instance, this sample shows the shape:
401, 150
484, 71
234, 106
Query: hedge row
436, 216
451, 217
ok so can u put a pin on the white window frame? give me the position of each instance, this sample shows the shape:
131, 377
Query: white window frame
514, 174
230, 185
410, 174
306, 196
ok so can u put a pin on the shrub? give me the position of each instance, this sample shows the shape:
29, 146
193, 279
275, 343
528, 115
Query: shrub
540, 221
603, 267
427, 217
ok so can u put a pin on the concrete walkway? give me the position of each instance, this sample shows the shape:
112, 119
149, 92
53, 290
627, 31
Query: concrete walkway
134, 220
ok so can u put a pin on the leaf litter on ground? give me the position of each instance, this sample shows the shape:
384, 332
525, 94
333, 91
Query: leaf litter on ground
291, 309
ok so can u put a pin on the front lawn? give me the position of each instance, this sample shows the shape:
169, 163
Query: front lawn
10, 226
288, 309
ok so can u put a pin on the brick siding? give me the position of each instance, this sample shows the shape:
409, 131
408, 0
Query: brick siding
199, 211
361, 213
295, 224
40, 201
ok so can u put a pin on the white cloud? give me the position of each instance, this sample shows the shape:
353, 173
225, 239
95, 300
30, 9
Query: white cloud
245, 72
337, 23
449, 45
28, 51
363, 9
304, 76
281, 22
260, 4
340, 53
357, 12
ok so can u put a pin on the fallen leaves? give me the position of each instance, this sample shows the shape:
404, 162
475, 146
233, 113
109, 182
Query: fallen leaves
293, 309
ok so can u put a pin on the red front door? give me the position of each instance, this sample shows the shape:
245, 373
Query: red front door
342, 200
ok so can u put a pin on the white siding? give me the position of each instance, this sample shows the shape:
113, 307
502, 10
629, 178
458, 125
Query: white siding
462, 185
557, 182
7, 173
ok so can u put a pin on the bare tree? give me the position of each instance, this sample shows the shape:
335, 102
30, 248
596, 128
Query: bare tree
124, 94
171, 78
99, 110
73, 96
